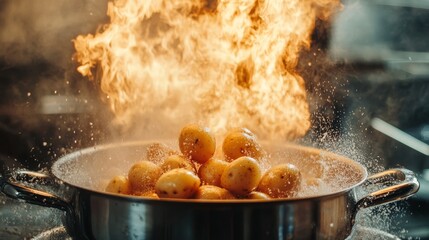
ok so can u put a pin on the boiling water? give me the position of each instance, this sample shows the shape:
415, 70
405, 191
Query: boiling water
93, 168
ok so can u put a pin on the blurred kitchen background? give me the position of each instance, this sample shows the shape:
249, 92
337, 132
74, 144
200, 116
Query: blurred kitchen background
379, 93
367, 75
46, 107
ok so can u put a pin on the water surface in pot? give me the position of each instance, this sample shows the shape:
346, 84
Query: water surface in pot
93, 168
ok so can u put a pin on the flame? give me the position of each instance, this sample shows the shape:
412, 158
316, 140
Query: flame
223, 63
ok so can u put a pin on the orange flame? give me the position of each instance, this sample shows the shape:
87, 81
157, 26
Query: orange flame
224, 63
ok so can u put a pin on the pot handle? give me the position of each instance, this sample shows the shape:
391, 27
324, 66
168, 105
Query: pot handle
407, 186
31, 195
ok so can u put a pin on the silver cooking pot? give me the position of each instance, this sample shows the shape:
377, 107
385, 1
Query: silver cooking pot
91, 213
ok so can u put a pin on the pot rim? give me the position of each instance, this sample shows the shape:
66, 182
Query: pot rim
133, 198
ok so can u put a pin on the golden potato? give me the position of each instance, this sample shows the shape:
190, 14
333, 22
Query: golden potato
119, 184
177, 183
258, 195
197, 143
241, 176
239, 143
177, 161
150, 194
213, 192
281, 181
243, 130
143, 176
211, 171
156, 152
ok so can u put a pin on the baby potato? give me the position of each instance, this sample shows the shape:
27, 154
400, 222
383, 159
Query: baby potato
258, 195
211, 171
156, 152
143, 176
177, 161
243, 130
241, 176
213, 192
119, 184
239, 143
281, 181
177, 183
197, 143
150, 194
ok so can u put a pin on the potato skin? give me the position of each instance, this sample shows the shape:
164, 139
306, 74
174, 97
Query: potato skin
213, 192
150, 194
258, 195
197, 143
177, 183
211, 171
242, 130
239, 143
143, 176
241, 176
119, 184
177, 161
281, 181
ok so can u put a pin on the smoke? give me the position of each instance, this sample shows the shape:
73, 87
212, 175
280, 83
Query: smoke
42, 30
37, 73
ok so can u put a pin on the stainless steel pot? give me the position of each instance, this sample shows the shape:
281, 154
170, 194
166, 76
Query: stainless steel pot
91, 213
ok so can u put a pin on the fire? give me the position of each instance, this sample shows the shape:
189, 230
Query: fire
222, 63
